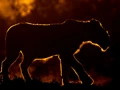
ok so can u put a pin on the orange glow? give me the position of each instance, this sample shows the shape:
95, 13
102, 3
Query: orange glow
99, 80
77, 81
93, 60
14, 69
62, 6
54, 71
5, 9
34, 71
10, 9
24, 6
92, 43
46, 69
51, 66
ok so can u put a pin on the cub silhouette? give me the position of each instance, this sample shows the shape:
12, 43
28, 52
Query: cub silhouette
43, 40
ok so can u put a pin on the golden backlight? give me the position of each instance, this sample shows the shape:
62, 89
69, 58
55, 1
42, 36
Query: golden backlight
100, 79
35, 67
44, 69
24, 6
10, 9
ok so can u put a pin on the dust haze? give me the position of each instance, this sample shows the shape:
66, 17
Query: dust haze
10, 9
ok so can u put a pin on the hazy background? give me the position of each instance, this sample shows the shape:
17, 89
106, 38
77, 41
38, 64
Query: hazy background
54, 11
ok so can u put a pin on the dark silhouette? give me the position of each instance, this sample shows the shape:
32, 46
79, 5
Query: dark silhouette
36, 84
96, 61
92, 55
43, 40
46, 69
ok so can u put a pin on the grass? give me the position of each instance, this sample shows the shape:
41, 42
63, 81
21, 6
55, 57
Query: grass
35, 84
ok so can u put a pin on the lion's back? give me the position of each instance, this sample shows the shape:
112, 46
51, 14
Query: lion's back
39, 38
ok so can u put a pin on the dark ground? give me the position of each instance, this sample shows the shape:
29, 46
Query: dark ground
34, 84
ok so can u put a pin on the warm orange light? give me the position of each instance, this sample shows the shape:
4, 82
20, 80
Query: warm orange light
15, 69
10, 9
79, 81
25, 6
92, 43
46, 69
98, 77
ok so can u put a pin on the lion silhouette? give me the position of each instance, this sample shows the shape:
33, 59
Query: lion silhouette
43, 40
96, 61
46, 69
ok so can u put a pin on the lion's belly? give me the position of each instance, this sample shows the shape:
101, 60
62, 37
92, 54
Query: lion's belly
45, 49
45, 45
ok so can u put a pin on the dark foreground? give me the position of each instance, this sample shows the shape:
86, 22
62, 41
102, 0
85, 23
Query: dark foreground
33, 84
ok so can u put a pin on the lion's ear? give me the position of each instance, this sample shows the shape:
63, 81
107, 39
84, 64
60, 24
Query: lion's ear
94, 22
